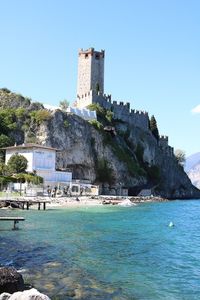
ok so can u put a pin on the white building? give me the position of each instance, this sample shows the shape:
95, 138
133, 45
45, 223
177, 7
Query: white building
41, 159
84, 113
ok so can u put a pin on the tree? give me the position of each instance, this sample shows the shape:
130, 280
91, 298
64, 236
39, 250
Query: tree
40, 116
17, 164
180, 157
33, 178
64, 104
3, 169
97, 88
5, 141
154, 128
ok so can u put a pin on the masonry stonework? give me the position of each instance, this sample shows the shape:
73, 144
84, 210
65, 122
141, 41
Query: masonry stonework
91, 90
90, 74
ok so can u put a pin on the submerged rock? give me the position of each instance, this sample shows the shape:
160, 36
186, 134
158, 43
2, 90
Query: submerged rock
31, 294
10, 280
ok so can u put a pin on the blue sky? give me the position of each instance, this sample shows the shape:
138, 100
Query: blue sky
152, 55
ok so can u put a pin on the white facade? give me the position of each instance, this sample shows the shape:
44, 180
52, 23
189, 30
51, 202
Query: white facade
84, 113
38, 159
42, 160
53, 177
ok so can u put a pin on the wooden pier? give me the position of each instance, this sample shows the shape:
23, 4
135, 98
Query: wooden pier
16, 220
25, 203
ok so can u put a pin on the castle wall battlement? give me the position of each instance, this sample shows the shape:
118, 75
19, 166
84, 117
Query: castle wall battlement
169, 151
120, 109
163, 141
163, 144
90, 89
164, 137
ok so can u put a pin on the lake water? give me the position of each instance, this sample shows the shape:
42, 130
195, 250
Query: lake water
108, 252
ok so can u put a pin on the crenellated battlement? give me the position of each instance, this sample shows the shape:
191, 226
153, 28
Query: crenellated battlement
121, 109
163, 144
91, 90
139, 112
163, 137
91, 52
163, 141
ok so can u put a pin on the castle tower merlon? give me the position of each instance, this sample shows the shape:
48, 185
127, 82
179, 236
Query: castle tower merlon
163, 141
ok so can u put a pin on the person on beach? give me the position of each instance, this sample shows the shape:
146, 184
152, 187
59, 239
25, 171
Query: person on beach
53, 193
48, 191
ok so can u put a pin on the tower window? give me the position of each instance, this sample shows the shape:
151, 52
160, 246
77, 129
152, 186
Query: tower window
97, 56
86, 55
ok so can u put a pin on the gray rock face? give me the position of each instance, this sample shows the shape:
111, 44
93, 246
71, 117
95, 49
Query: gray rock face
10, 280
82, 146
134, 158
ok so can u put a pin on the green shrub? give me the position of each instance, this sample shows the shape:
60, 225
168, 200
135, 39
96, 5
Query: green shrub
31, 138
6, 90
96, 124
104, 172
97, 107
123, 154
20, 112
127, 157
7, 120
40, 116
66, 124
109, 115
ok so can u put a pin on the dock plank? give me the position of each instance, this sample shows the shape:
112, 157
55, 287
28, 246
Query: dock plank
12, 218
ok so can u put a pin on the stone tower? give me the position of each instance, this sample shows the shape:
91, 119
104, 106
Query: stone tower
90, 75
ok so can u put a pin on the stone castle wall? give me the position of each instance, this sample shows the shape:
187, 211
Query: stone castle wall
122, 110
91, 74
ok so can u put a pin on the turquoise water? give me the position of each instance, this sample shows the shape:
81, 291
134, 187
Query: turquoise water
108, 252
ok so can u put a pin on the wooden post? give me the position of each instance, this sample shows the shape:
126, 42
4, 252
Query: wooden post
44, 205
22, 205
15, 223
38, 205
27, 205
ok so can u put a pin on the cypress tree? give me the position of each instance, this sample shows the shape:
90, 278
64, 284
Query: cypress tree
154, 128
97, 87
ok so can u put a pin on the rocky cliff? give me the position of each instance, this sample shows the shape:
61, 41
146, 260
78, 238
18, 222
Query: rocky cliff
111, 152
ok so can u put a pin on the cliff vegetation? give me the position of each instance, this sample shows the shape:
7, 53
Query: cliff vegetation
107, 151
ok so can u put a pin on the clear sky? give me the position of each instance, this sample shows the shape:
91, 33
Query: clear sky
152, 55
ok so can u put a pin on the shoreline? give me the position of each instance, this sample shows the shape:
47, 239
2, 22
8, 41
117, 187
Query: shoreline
81, 201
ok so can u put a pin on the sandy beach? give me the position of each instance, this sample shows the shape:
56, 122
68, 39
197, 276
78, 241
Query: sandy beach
77, 201
74, 201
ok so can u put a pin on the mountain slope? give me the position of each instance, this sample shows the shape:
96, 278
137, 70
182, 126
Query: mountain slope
191, 161
192, 168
